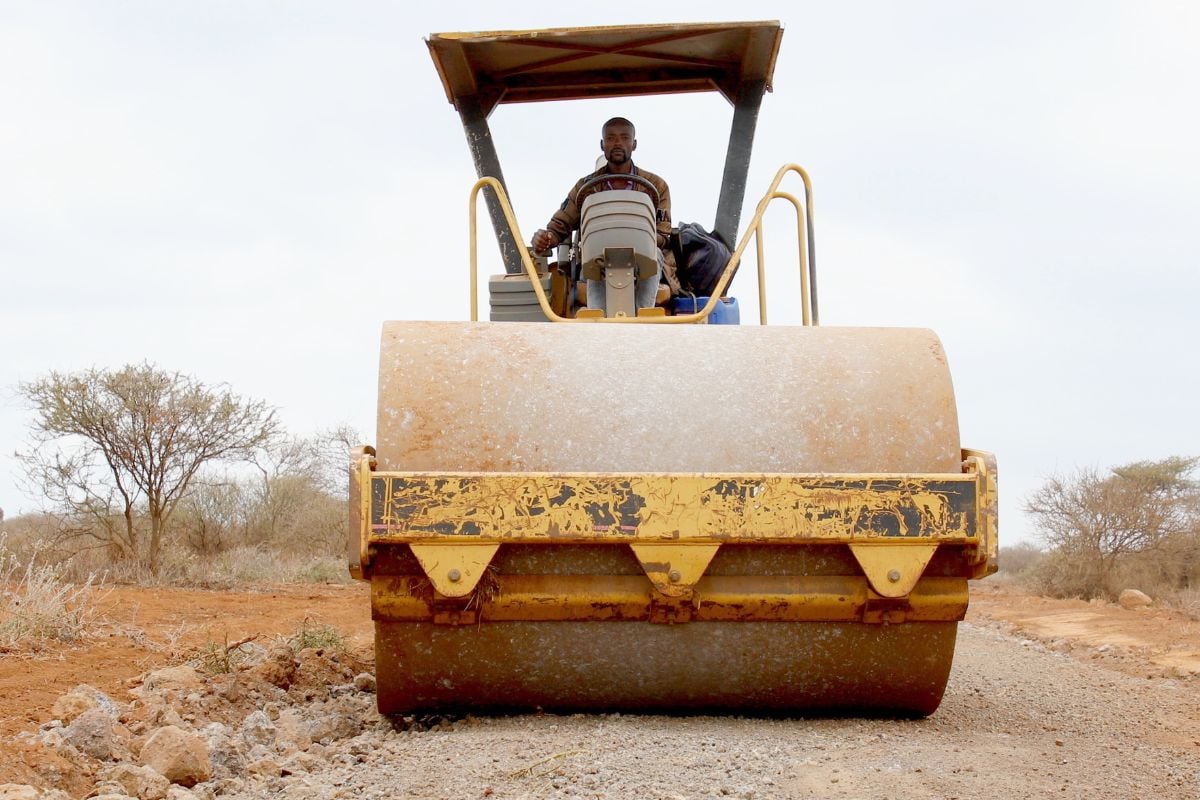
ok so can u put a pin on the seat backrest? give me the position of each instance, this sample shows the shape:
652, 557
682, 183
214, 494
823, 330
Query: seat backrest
618, 218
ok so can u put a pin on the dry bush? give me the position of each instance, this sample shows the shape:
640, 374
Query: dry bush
320, 637
247, 566
213, 658
1018, 559
1187, 600
285, 525
122, 447
1137, 526
37, 605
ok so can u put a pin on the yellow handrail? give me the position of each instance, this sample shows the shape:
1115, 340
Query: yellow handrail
755, 229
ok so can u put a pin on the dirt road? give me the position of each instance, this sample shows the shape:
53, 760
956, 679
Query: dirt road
1047, 698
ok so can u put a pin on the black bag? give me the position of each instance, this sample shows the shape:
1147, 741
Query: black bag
703, 259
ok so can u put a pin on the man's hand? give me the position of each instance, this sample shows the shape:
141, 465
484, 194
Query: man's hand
543, 240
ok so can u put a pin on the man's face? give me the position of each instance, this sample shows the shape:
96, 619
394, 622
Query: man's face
618, 144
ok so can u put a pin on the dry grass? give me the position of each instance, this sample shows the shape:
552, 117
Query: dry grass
320, 637
243, 566
238, 567
38, 605
221, 658
1186, 600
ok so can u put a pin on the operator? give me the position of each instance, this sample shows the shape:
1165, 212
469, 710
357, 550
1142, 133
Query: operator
618, 143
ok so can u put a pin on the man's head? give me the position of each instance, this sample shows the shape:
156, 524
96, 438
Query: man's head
619, 140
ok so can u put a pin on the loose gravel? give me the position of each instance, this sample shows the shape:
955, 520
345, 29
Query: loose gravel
1020, 720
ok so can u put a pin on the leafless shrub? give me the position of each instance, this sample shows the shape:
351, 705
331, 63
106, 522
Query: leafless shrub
213, 658
1017, 559
1187, 600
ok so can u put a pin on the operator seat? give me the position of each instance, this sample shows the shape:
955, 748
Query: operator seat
617, 218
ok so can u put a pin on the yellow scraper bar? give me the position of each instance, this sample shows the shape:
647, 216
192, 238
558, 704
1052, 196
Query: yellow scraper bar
693, 508
455, 522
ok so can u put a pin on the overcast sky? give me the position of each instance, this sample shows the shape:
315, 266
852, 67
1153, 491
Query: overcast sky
244, 191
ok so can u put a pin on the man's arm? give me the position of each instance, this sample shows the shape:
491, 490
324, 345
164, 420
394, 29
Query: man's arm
663, 213
559, 228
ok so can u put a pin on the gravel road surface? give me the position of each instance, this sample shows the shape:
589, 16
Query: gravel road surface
1019, 720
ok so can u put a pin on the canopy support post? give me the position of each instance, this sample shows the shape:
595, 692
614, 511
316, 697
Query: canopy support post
737, 160
487, 164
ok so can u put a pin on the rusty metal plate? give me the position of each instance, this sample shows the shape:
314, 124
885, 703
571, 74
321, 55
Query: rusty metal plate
714, 508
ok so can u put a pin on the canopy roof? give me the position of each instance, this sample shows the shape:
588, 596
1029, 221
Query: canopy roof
576, 63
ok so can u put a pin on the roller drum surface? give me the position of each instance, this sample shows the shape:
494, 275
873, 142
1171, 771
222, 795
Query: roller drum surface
535, 397
766, 668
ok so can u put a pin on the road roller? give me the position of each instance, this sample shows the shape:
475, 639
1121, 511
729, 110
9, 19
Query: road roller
649, 512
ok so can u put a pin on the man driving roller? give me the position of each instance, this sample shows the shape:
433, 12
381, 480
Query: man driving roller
619, 140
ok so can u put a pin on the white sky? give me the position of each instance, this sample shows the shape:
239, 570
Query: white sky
244, 191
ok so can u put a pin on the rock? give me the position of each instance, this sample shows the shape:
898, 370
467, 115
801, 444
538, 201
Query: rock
215, 732
108, 788
279, 667
1132, 598
266, 767
180, 793
228, 688
332, 726
251, 653
364, 682
257, 728
258, 753
180, 680
80, 699
291, 728
226, 758
141, 782
91, 733
19, 791
224, 753
301, 762
159, 715
177, 755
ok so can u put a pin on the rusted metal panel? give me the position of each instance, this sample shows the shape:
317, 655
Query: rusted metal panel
412, 507
604, 61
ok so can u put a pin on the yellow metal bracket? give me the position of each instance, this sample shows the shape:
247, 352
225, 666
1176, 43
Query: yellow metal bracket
358, 554
893, 569
674, 569
982, 465
454, 569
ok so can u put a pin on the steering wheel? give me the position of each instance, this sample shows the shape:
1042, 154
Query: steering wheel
638, 179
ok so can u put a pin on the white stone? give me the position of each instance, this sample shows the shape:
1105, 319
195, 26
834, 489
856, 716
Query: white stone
257, 728
91, 733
